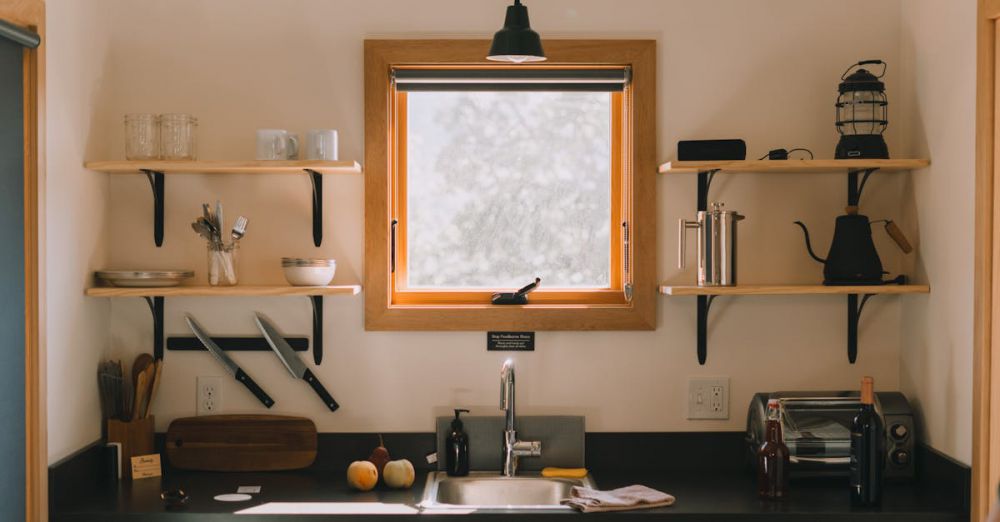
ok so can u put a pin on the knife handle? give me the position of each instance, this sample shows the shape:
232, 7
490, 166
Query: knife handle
258, 392
320, 390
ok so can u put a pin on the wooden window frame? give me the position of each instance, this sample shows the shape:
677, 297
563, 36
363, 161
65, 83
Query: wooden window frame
605, 309
31, 14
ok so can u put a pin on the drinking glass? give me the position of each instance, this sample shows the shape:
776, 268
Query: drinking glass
142, 136
177, 136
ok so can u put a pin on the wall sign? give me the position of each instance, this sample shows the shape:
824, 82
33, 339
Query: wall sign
510, 341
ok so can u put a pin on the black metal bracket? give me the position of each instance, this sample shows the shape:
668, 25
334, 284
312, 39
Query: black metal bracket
704, 302
317, 303
156, 307
317, 204
233, 344
856, 184
853, 316
157, 182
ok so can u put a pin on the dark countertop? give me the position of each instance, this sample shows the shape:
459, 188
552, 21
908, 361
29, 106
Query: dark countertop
704, 471
704, 496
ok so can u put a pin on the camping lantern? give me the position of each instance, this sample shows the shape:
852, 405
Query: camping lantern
861, 113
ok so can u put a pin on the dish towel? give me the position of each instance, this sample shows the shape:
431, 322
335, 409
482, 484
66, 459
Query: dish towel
631, 497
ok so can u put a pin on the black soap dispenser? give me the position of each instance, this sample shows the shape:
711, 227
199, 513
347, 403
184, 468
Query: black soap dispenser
457, 448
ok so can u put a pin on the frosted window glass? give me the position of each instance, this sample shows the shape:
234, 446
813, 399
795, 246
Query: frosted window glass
506, 186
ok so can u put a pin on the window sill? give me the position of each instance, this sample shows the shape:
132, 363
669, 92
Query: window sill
530, 317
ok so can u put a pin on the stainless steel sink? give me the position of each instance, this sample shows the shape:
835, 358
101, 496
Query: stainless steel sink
493, 491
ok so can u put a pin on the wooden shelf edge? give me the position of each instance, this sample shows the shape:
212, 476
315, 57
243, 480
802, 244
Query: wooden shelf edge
225, 167
686, 290
223, 291
793, 165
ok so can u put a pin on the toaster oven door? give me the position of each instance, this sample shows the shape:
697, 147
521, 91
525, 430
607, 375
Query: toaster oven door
817, 431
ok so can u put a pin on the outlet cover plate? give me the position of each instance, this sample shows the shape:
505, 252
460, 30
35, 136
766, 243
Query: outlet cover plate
209, 395
708, 398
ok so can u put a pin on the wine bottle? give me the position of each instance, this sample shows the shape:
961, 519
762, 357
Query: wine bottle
867, 450
772, 457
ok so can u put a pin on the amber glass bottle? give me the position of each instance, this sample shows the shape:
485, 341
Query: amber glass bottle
772, 457
867, 450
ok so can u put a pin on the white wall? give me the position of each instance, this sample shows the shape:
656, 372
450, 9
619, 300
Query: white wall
765, 71
75, 218
938, 56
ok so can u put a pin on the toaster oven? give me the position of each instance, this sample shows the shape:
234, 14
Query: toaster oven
817, 430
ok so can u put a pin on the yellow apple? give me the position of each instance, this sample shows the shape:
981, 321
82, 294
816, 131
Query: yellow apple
362, 475
398, 474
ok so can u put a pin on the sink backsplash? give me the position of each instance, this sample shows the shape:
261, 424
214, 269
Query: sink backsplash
562, 438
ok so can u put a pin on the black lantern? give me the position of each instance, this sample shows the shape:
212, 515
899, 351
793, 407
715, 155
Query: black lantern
516, 42
861, 113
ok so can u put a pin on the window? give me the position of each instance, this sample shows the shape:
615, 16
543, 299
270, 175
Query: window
495, 175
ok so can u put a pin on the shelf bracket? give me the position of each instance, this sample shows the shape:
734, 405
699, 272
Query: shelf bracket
156, 307
157, 182
853, 316
856, 180
705, 178
317, 305
317, 204
704, 304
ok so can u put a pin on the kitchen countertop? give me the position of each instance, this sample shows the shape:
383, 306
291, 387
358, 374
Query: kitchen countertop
700, 496
704, 471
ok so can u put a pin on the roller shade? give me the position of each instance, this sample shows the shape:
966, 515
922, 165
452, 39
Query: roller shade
526, 79
19, 35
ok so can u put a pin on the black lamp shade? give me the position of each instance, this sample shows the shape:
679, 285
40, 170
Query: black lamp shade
516, 42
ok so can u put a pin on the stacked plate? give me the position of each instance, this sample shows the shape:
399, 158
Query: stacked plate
143, 278
308, 272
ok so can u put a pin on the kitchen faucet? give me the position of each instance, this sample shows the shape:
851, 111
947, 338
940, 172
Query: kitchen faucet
512, 448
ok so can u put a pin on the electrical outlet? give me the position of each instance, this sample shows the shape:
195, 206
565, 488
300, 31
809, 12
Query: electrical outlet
708, 398
209, 395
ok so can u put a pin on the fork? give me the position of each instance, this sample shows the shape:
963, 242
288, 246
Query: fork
239, 228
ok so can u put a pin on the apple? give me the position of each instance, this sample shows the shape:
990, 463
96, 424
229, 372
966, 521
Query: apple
362, 475
398, 474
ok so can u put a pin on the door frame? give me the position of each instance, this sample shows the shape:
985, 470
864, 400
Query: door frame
31, 14
986, 367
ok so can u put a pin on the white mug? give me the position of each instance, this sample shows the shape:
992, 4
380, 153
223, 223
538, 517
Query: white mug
276, 144
321, 144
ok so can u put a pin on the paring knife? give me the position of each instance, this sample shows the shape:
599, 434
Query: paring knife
291, 361
231, 367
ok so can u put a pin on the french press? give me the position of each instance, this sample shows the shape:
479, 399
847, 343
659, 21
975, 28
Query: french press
716, 245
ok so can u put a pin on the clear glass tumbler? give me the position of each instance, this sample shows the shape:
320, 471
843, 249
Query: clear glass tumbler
142, 136
223, 263
177, 136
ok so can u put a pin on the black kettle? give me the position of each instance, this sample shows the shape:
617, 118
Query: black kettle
853, 259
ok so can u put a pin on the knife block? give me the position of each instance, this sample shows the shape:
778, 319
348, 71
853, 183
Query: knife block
136, 438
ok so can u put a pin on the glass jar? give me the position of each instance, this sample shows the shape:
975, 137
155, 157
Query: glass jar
223, 263
177, 136
142, 136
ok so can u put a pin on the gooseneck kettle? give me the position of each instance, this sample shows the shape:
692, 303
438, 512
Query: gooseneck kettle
852, 259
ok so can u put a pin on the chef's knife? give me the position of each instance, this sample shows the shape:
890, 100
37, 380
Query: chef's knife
291, 361
231, 367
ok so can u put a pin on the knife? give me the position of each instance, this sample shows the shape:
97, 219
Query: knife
231, 367
291, 361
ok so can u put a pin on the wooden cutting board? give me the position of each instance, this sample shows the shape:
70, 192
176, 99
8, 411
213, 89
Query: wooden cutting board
241, 443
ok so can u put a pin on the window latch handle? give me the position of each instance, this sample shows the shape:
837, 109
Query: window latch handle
519, 297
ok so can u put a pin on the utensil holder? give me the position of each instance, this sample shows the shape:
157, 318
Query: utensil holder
223, 263
136, 438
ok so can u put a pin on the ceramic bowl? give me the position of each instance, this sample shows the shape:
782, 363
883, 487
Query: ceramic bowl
308, 272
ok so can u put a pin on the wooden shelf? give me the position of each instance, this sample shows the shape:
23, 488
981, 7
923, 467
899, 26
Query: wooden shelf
225, 167
223, 291
792, 290
792, 165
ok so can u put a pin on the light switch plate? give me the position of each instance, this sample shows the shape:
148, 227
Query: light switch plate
708, 398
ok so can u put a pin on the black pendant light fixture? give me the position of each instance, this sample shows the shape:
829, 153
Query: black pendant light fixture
516, 42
